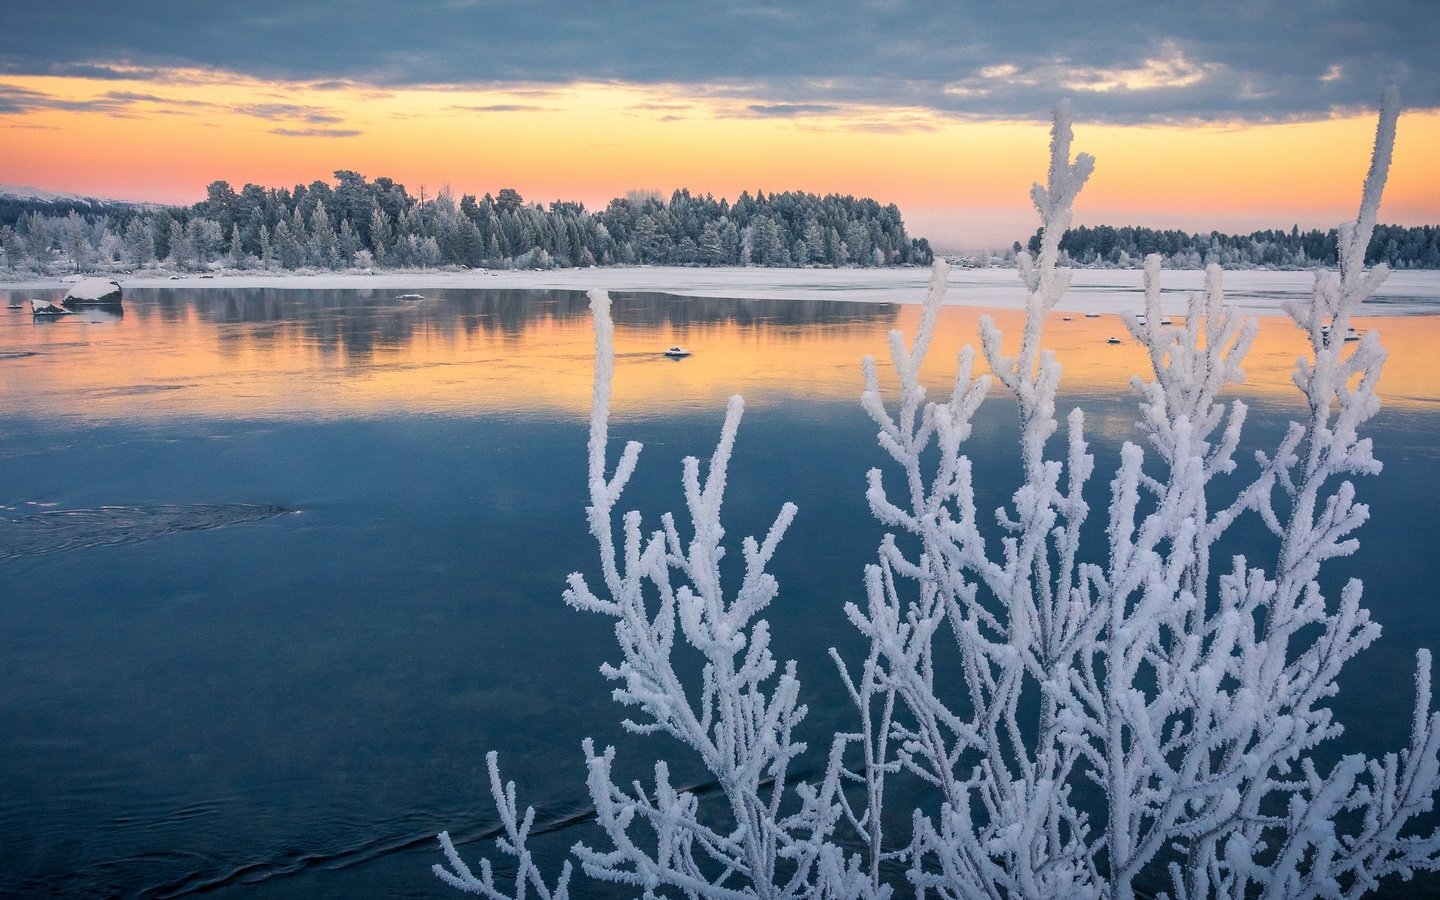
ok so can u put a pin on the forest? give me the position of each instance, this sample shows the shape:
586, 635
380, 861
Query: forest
1398, 246
360, 223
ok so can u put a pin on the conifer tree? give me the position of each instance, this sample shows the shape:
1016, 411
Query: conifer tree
139, 243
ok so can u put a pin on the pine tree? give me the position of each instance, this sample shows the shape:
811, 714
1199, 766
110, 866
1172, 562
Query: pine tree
469, 248
205, 238
287, 246
380, 232
857, 238
267, 249
139, 243
76, 239
37, 240
13, 246
237, 253
298, 232
814, 242
711, 251
181, 250
349, 242
324, 249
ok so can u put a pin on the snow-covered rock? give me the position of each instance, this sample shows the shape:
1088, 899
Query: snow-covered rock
94, 290
48, 308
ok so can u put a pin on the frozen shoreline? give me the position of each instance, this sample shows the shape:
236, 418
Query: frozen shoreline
1092, 290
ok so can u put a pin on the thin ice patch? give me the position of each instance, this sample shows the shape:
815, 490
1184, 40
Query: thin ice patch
55, 531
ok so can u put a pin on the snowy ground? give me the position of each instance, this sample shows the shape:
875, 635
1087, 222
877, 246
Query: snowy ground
1093, 290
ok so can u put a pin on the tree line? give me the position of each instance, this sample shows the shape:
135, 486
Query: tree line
1399, 246
361, 223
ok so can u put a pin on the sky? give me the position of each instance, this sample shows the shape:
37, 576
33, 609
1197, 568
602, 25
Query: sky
1222, 115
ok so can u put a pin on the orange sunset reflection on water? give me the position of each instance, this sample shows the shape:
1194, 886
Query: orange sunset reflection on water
255, 354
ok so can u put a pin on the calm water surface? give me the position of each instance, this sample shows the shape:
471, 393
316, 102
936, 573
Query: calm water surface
277, 568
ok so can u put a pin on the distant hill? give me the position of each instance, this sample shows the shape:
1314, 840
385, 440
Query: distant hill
25, 192
43, 196
18, 200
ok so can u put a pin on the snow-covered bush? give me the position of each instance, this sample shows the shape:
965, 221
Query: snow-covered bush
1125, 706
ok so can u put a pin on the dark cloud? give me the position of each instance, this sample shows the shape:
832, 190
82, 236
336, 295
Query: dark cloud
15, 100
1125, 60
790, 110
317, 132
500, 108
287, 111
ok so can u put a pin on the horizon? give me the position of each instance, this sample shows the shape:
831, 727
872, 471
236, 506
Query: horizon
56, 196
1195, 128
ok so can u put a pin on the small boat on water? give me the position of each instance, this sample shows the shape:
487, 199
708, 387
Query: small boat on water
1165, 320
1350, 333
411, 298
1113, 340
1092, 315
48, 308
17, 306
677, 352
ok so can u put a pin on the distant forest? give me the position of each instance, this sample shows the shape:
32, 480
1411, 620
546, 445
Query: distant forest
356, 223
1400, 247
360, 223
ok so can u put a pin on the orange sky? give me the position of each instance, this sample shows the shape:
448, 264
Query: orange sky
964, 184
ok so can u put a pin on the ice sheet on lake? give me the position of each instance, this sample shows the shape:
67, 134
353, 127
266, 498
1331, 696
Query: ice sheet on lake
57, 530
1093, 290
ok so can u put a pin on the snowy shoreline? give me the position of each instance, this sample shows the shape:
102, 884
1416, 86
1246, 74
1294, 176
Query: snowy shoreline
1092, 290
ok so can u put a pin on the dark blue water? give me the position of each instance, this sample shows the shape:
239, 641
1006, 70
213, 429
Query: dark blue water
278, 568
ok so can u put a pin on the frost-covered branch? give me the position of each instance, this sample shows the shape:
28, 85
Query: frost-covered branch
1187, 697
1127, 706
512, 843
664, 591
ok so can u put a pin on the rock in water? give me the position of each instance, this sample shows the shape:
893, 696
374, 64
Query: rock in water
94, 292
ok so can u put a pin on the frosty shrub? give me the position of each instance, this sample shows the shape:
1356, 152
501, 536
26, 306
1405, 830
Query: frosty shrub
1124, 705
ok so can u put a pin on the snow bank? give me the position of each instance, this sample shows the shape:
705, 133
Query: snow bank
1092, 290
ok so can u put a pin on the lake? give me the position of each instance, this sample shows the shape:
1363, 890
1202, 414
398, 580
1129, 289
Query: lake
278, 567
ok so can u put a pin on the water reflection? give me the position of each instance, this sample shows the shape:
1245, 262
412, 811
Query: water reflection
262, 353
248, 353
359, 321
99, 313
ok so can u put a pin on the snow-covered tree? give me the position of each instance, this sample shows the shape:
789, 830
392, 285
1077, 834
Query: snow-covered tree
109, 248
206, 239
182, 249
324, 248
287, 246
13, 245
267, 248
349, 242
237, 251
1124, 707
139, 243
37, 239
75, 241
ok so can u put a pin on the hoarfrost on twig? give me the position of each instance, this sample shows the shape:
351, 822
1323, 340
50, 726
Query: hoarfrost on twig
1182, 698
